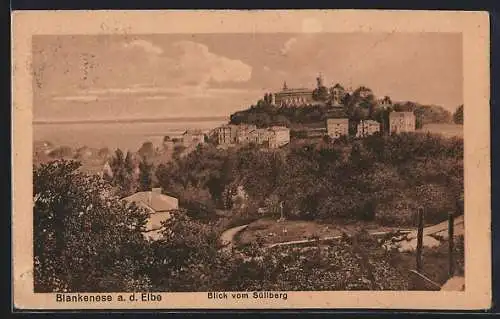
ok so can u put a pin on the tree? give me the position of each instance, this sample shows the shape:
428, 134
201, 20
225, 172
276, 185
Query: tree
123, 172
147, 149
85, 239
104, 153
458, 116
186, 257
387, 100
320, 94
145, 175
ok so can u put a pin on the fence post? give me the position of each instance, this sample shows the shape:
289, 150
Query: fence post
420, 237
451, 263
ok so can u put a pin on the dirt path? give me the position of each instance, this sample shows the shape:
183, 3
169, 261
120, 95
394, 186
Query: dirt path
227, 237
440, 229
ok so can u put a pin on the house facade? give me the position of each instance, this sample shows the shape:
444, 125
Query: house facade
243, 132
259, 136
157, 204
226, 134
279, 136
274, 136
337, 127
400, 122
367, 127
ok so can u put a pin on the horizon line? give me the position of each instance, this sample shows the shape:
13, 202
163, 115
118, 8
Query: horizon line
134, 120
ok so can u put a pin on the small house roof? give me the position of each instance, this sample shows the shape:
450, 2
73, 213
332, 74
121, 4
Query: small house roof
371, 122
156, 201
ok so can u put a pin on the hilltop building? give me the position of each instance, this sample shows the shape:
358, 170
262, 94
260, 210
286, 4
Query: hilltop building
402, 122
292, 97
367, 127
337, 127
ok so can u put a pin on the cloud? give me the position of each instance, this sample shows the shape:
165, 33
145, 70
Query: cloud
196, 64
288, 46
147, 46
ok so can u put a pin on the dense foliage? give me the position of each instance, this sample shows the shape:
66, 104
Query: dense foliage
85, 238
458, 116
189, 258
380, 177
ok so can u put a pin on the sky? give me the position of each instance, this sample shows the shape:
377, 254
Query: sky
103, 77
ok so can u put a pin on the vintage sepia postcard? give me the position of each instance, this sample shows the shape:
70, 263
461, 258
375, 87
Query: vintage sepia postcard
251, 160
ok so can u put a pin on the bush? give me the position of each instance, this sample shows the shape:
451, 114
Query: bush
244, 216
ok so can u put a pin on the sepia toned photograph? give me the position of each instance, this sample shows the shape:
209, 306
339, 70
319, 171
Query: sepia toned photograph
248, 165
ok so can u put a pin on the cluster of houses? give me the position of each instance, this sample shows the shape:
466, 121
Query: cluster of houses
278, 136
230, 134
399, 122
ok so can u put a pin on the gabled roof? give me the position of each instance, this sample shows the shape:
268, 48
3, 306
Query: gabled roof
157, 202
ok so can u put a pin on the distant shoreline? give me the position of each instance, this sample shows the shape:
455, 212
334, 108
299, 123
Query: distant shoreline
142, 120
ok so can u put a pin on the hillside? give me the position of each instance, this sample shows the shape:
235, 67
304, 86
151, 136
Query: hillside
379, 178
354, 106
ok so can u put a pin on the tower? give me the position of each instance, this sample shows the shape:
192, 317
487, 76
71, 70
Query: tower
319, 80
285, 87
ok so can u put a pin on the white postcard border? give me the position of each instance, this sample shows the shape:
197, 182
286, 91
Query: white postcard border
474, 27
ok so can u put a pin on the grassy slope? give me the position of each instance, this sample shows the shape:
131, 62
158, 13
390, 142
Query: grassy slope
270, 231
